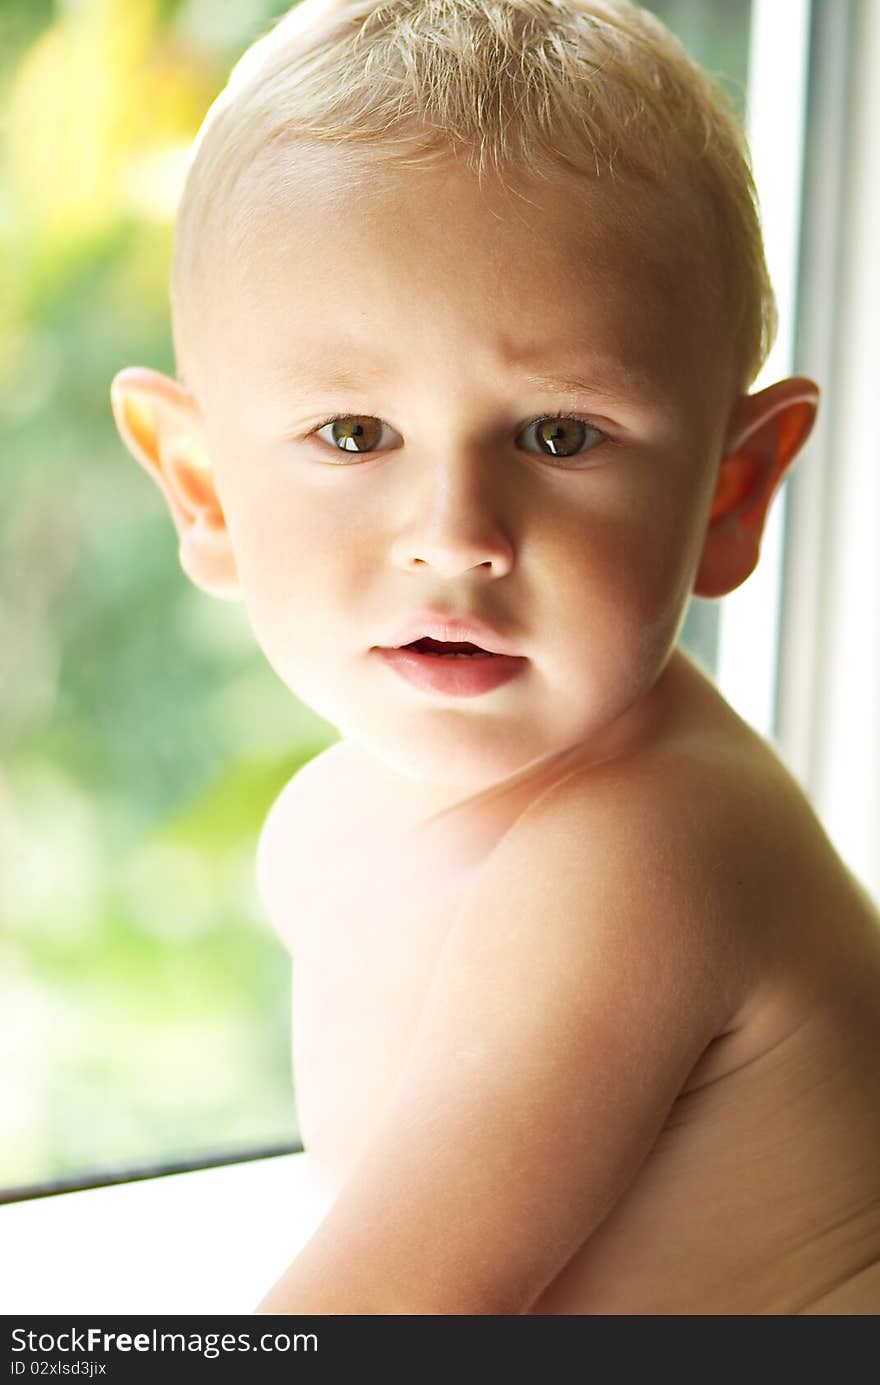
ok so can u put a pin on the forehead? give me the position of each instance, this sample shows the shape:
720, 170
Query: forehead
344, 270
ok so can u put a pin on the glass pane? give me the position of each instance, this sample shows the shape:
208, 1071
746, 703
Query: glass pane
144, 999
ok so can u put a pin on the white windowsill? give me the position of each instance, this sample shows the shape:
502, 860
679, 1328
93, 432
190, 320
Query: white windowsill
210, 1241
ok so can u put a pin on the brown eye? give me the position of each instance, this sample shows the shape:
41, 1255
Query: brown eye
563, 437
353, 432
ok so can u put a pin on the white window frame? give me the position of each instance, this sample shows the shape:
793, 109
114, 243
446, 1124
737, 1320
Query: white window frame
212, 1241
749, 618
828, 705
799, 642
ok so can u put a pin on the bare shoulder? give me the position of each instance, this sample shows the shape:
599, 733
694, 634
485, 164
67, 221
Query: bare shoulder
293, 823
707, 842
635, 870
813, 932
302, 792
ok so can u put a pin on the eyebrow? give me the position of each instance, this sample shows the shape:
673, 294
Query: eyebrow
611, 383
611, 379
594, 374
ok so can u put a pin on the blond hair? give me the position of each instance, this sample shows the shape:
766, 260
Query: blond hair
599, 87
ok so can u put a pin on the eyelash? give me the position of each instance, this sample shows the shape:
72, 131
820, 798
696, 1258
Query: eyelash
539, 418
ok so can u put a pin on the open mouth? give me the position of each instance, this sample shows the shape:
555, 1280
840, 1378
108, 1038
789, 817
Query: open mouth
451, 668
442, 649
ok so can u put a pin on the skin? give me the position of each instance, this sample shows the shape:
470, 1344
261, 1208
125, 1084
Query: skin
436, 287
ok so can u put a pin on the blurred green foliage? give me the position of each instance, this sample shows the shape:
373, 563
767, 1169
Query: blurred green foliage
144, 1000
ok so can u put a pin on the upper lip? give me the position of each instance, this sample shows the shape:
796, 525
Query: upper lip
448, 627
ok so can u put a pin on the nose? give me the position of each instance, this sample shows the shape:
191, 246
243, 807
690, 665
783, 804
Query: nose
455, 526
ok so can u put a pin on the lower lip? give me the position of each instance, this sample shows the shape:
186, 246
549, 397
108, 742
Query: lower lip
453, 677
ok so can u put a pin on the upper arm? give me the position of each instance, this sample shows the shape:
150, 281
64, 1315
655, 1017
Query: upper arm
590, 966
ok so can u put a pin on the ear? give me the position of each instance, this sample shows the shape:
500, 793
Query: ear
764, 435
161, 425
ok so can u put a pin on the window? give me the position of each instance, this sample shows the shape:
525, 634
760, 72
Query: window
144, 1001
143, 998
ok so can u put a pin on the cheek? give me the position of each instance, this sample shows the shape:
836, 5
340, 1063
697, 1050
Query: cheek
305, 568
624, 566
278, 528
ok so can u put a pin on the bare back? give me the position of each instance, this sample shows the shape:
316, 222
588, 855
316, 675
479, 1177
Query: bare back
761, 1194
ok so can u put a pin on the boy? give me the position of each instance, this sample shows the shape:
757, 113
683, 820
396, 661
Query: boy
468, 298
